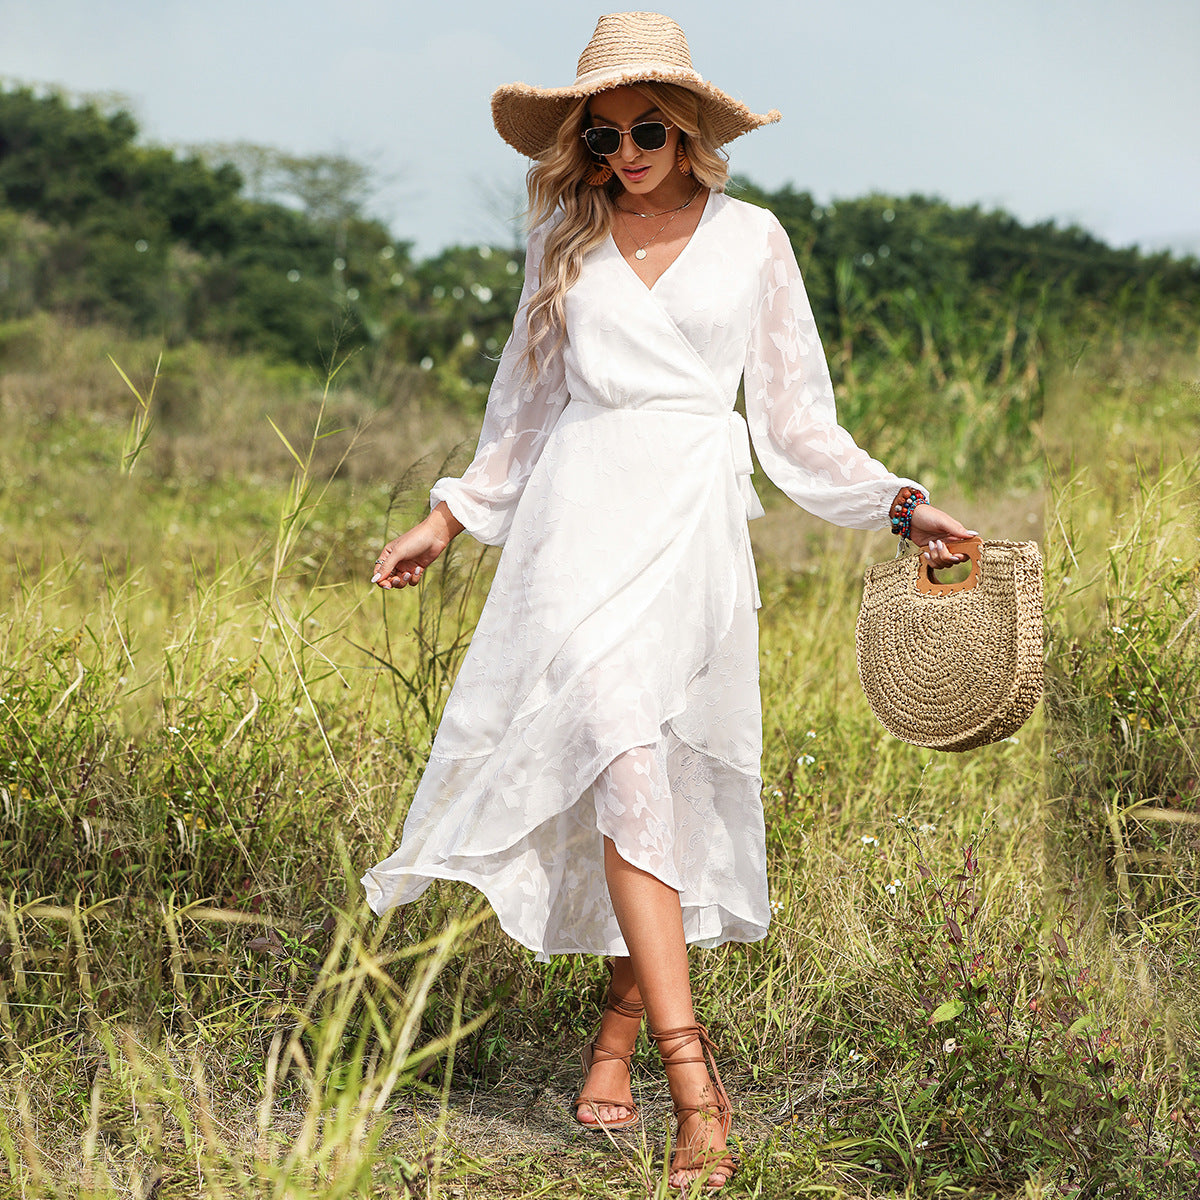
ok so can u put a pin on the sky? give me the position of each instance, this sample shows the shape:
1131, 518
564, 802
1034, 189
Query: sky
1079, 111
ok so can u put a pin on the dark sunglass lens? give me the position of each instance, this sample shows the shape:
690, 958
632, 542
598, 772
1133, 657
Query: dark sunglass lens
603, 140
650, 135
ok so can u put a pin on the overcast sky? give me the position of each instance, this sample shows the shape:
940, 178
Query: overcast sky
1085, 111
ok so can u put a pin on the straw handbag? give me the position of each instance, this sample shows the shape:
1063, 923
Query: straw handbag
952, 666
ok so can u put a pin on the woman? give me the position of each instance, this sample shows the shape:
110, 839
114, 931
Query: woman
596, 772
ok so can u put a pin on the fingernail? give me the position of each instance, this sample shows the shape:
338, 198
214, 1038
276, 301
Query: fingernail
375, 577
406, 578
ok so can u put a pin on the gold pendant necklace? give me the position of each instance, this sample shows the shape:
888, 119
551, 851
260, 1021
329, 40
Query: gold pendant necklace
640, 252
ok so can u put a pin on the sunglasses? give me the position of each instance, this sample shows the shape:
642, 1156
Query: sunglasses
647, 135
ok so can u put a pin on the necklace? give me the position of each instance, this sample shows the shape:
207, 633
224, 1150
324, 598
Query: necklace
663, 212
640, 252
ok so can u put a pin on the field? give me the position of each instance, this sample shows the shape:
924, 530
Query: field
983, 978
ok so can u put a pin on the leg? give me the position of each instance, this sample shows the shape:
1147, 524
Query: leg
651, 922
606, 1056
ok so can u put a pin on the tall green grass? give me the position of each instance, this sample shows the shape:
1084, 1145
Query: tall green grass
982, 975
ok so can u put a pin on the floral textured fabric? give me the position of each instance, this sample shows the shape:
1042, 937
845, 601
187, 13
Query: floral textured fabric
611, 687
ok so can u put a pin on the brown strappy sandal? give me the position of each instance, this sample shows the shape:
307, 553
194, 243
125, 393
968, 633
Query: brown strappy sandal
705, 1163
593, 1052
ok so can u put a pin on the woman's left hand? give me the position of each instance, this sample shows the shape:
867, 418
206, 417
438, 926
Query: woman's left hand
931, 528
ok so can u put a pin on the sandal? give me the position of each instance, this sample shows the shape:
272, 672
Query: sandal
593, 1052
705, 1163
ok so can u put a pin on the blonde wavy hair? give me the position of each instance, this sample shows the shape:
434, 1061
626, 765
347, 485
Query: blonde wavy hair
557, 183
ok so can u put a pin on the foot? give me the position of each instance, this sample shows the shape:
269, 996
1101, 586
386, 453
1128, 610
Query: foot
702, 1109
700, 1147
606, 1062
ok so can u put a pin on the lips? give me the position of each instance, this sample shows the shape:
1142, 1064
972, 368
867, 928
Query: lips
635, 174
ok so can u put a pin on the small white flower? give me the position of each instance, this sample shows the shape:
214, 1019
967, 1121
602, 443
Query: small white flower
1016, 741
805, 760
868, 840
949, 1046
854, 1056
1117, 629
172, 728
811, 733
891, 887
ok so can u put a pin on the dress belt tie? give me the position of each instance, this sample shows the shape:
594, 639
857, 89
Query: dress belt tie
743, 465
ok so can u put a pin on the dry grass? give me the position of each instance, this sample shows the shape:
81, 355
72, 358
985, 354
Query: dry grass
198, 756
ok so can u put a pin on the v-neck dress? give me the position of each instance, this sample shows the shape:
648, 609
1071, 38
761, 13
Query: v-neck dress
621, 627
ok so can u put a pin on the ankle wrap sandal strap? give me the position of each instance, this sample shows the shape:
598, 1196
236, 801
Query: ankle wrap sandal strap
686, 1036
720, 1110
624, 1007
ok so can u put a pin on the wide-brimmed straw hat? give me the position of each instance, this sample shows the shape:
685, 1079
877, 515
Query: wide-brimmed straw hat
626, 48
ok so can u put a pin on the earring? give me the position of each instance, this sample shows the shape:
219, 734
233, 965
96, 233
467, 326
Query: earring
681, 159
598, 173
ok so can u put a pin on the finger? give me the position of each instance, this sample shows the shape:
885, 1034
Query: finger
383, 564
387, 564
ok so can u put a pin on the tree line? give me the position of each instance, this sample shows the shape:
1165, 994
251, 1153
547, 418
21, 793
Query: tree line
256, 250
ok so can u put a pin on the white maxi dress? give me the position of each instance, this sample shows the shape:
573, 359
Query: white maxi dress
611, 686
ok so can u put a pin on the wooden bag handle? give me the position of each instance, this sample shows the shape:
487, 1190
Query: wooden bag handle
972, 548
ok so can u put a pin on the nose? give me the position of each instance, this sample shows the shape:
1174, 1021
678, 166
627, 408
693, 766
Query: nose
628, 150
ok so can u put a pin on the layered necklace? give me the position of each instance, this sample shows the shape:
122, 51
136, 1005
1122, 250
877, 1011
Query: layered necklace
669, 213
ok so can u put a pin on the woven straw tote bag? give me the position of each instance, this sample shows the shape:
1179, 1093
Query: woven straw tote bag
953, 666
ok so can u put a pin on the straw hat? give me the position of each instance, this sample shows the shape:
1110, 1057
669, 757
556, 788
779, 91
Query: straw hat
626, 48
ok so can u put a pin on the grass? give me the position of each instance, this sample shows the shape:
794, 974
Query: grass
983, 976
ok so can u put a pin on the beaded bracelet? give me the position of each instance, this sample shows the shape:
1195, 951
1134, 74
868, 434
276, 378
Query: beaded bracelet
907, 498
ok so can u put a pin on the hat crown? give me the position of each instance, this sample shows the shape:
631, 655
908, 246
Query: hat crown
622, 40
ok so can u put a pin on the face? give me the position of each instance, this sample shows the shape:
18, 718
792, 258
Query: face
640, 171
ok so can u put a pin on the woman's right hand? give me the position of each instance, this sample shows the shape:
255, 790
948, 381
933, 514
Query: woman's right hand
404, 558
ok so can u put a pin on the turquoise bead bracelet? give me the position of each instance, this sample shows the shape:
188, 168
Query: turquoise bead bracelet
902, 510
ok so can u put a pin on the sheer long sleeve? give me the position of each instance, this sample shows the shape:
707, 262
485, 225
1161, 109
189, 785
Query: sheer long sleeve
790, 407
519, 418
